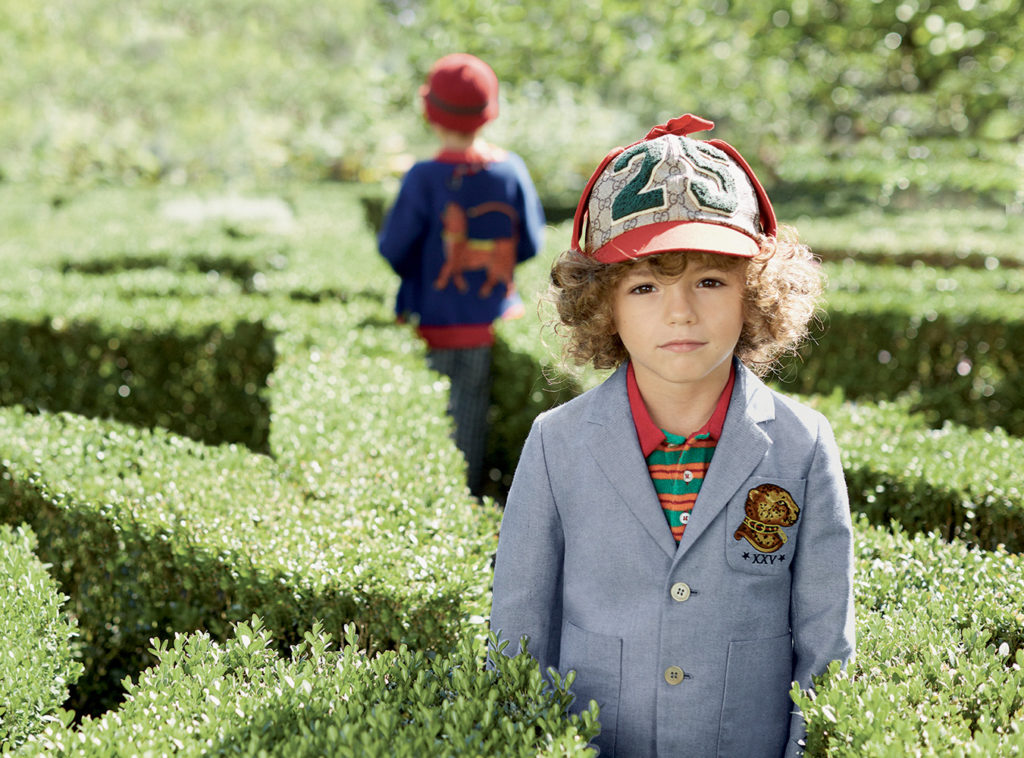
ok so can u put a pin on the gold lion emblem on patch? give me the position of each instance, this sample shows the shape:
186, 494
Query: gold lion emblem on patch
768, 509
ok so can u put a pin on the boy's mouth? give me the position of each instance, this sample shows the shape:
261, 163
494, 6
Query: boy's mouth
681, 346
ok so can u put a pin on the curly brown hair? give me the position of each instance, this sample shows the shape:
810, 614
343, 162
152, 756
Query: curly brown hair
784, 283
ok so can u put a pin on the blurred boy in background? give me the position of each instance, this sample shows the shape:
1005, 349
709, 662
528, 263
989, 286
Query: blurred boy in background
462, 221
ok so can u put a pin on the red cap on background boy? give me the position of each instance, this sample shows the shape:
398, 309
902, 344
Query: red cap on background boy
461, 93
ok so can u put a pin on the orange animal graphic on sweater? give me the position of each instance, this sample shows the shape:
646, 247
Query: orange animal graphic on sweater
496, 256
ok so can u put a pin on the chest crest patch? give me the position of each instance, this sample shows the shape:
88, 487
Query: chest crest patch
767, 510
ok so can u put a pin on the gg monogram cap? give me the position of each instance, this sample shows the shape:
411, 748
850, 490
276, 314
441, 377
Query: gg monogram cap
671, 192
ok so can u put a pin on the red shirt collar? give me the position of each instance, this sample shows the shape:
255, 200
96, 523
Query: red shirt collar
647, 431
481, 153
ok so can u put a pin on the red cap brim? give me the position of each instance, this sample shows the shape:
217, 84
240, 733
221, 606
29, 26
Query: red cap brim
676, 236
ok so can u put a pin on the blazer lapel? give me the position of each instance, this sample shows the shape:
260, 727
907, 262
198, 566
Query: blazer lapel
611, 438
742, 446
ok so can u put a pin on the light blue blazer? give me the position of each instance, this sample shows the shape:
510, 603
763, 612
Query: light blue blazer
689, 650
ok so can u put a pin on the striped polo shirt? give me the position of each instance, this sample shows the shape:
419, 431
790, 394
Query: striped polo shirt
677, 465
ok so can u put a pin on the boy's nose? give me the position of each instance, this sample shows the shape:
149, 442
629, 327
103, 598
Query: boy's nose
679, 305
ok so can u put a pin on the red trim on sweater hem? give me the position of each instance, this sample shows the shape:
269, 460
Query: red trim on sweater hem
457, 337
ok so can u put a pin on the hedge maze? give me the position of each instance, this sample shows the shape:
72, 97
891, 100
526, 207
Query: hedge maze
233, 522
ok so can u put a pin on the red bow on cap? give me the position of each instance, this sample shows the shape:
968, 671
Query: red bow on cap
684, 125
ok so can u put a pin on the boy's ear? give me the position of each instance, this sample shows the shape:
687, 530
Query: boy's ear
613, 328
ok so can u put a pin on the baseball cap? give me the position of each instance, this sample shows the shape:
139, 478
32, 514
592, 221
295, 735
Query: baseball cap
461, 93
671, 192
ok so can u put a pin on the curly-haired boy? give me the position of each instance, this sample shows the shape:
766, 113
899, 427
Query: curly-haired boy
680, 535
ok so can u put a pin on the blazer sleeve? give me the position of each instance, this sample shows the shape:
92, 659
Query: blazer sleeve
527, 596
821, 610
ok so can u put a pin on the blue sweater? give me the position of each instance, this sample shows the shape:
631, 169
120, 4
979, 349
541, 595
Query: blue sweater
460, 224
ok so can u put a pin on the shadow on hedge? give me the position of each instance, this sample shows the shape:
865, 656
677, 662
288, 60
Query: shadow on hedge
520, 391
207, 385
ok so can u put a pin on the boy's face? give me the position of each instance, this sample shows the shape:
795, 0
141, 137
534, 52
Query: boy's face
681, 333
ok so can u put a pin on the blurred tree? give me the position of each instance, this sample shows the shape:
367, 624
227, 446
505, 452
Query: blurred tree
155, 91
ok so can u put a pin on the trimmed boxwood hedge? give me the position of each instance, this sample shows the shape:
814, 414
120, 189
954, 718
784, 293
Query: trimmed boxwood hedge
363, 474
359, 513
963, 483
195, 361
153, 533
939, 669
938, 672
243, 698
36, 660
359, 516
953, 338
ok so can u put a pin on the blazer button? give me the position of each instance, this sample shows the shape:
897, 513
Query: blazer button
680, 592
673, 675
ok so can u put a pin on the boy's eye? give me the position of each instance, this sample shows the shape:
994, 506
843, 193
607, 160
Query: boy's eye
642, 289
710, 281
